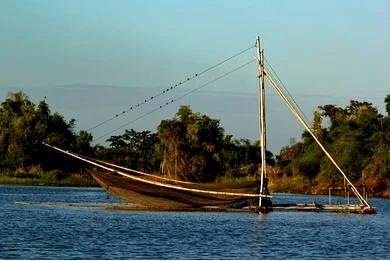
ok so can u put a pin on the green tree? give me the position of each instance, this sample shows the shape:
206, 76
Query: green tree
18, 125
137, 150
192, 145
196, 148
83, 143
23, 127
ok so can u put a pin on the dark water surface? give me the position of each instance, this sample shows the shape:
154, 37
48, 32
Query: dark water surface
53, 232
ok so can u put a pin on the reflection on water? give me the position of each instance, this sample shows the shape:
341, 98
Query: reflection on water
48, 232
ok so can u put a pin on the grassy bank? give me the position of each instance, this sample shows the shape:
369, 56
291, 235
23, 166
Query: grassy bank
72, 181
301, 185
35, 175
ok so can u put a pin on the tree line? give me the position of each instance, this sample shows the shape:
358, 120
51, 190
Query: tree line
358, 138
194, 147
190, 146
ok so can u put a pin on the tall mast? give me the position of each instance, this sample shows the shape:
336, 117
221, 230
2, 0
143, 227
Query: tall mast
263, 174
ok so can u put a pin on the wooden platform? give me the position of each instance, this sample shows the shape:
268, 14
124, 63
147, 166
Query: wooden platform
358, 209
313, 207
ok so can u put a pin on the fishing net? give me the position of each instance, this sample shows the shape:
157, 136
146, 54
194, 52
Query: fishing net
155, 192
159, 192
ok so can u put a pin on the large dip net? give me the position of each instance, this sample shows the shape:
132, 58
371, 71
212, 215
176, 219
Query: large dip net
159, 192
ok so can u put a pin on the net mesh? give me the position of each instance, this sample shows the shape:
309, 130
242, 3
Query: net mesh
149, 190
159, 192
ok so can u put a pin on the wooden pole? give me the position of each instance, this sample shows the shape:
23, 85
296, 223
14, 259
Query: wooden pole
262, 128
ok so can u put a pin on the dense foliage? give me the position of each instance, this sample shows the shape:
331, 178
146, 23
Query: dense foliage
357, 136
23, 128
190, 147
137, 150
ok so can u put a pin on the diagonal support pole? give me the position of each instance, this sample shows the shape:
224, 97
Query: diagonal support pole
302, 121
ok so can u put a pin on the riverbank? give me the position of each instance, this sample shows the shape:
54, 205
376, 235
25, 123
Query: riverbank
36, 176
300, 185
72, 181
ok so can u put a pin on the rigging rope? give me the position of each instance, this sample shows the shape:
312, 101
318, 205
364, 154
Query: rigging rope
146, 100
176, 99
286, 90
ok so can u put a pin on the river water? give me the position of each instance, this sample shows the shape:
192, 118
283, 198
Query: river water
39, 231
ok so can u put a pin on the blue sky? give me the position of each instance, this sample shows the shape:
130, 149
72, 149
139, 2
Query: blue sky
89, 57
